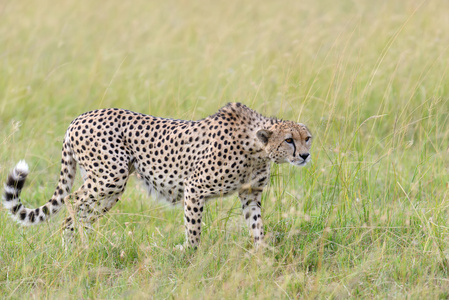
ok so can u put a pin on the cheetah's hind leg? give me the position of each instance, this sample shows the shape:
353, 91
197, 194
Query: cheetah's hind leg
86, 206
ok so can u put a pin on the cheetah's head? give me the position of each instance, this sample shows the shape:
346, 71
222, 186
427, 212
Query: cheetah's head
287, 141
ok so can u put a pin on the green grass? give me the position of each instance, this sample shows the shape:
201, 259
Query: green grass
369, 218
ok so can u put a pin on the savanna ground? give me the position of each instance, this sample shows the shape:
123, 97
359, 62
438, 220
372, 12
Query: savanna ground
369, 218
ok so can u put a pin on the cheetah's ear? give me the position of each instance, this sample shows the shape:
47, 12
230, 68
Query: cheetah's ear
264, 135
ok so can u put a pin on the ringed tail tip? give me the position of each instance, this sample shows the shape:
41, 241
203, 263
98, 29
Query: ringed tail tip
22, 167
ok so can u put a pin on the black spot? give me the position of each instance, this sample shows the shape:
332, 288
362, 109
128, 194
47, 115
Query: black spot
10, 196
45, 210
16, 183
16, 208
31, 217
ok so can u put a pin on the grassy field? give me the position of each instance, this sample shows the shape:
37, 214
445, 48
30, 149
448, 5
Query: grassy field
369, 218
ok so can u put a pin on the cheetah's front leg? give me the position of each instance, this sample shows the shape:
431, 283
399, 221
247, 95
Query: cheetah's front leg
193, 213
251, 205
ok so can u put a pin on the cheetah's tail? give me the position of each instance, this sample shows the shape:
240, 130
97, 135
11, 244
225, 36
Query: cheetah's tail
27, 216
11, 195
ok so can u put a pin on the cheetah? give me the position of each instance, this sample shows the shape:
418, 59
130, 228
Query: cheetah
187, 162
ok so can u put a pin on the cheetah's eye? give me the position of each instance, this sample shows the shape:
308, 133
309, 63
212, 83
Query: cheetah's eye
307, 139
290, 140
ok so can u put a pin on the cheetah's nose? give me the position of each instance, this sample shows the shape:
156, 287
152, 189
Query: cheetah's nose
304, 156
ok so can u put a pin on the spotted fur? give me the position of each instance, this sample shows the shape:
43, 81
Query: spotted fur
181, 161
